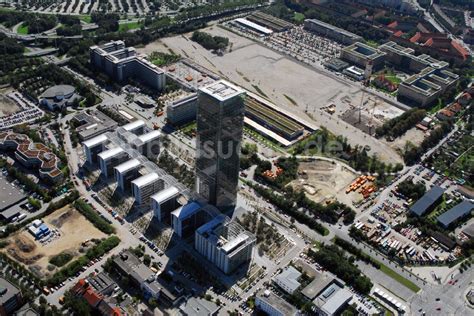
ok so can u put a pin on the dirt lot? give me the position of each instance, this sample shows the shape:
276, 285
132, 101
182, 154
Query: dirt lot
7, 106
73, 229
323, 180
298, 88
414, 136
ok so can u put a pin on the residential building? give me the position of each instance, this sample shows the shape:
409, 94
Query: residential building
287, 280
122, 63
273, 305
428, 201
125, 173
183, 110
220, 120
224, 243
331, 31
109, 159
165, 202
10, 298
93, 147
145, 186
361, 55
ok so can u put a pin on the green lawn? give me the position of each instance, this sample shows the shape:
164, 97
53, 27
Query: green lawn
299, 17
130, 26
85, 18
397, 277
23, 29
372, 44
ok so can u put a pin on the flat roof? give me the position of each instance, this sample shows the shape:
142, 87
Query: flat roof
277, 302
254, 26
128, 165
234, 243
146, 179
111, 153
133, 125
222, 90
427, 200
334, 28
9, 194
455, 213
320, 282
149, 136
165, 194
95, 141
197, 306
267, 132
10, 289
289, 277
338, 299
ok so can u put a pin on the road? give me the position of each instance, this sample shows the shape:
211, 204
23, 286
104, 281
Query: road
429, 17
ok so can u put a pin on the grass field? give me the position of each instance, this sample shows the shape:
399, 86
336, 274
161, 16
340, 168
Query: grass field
400, 279
85, 18
130, 26
299, 17
23, 29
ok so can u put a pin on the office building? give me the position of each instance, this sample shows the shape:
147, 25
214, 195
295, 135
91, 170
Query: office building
93, 147
10, 298
428, 201
220, 120
144, 278
121, 63
33, 155
59, 97
145, 186
287, 280
10, 199
331, 31
361, 55
224, 243
355, 73
92, 124
148, 144
165, 202
273, 305
125, 173
109, 159
136, 127
197, 306
187, 218
332, 300
183, 110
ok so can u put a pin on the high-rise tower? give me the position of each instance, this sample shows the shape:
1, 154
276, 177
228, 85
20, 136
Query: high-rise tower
220, 120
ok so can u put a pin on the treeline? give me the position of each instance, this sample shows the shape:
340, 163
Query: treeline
100, 223
74, 267
215, 8
37, 23
289, 166
359, 254
401, 124
210, 42
333, 259
411, 190
413, 154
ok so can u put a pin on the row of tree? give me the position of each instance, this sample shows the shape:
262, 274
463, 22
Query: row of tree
399, 125
210, 42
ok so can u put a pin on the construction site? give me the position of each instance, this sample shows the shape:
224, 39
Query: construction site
370, 113
325, 181
72, 233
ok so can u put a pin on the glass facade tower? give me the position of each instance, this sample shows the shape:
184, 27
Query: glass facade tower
220, 120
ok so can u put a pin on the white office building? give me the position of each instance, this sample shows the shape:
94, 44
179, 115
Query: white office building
136, 127
145, 186
273, 305
125, 173
187, 218
109, 159
165, 202
224, 243
92, 147
148, 144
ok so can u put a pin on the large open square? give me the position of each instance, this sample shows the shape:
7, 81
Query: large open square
300, 89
